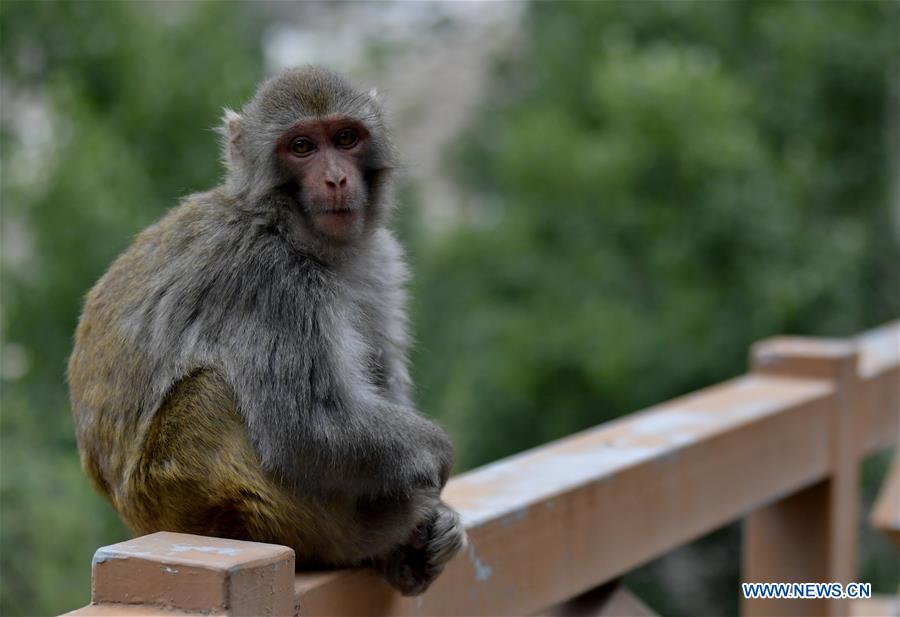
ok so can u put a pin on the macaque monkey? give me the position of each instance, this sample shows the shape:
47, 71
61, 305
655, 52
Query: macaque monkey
240, 370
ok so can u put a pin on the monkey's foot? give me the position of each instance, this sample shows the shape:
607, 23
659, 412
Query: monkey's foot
412, 567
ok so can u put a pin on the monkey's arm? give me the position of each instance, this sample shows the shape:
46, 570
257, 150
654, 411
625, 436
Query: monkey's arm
378, 447
391, 328
395, 377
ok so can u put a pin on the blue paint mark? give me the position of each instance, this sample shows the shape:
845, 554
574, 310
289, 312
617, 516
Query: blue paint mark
482, 570
218, 550
102, 556
514, 517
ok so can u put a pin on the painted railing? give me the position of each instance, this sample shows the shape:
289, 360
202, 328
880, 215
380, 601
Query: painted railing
778, 447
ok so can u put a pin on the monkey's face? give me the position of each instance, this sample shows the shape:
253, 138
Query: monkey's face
326, 161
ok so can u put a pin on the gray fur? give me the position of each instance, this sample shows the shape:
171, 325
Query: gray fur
311, 337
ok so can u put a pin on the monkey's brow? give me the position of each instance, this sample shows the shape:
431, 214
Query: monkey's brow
331, 118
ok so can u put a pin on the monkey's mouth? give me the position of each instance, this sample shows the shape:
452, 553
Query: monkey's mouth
347, 215
336, 222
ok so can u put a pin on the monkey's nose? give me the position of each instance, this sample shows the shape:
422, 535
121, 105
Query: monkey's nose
336, 182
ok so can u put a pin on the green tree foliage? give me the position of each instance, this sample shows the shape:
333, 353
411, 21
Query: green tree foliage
128, 89
662, 184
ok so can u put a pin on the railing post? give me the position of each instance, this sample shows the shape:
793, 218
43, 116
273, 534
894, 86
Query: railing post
183, 574
810, 536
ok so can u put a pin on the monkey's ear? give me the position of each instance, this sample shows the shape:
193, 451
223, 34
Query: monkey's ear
373, 94
230, 130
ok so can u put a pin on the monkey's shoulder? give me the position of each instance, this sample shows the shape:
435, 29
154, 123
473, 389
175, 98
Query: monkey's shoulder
183, 228
200, 221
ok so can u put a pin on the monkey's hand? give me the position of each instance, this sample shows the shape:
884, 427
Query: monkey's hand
415, 465
413, 566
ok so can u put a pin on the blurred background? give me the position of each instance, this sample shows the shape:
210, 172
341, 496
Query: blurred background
605, 204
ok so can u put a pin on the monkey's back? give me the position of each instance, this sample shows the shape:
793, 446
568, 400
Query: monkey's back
157, 423
114, 378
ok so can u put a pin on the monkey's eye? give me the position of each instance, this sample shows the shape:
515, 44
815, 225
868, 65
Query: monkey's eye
346, 138
302, 146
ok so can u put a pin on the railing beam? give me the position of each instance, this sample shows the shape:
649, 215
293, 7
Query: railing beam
553, 522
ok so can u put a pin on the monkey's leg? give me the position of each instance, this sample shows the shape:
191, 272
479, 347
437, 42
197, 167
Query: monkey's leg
198, 473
